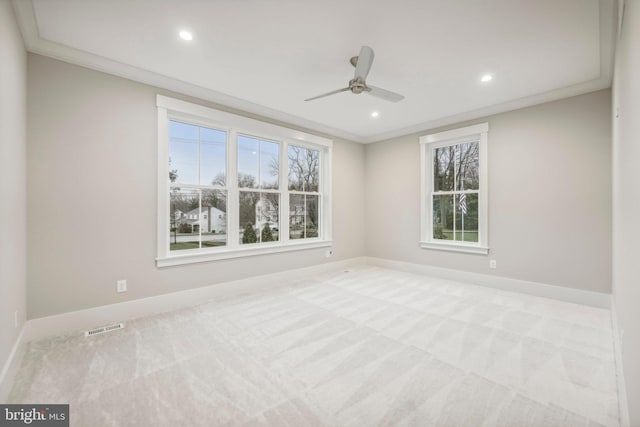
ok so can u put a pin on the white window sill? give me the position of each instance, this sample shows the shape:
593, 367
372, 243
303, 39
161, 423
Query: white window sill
204, 255
455, 247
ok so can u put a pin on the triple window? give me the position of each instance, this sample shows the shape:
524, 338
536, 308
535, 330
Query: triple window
231, 186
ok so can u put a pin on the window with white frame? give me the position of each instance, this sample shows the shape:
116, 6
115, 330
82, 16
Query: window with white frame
454, 190
230, 186
304, 196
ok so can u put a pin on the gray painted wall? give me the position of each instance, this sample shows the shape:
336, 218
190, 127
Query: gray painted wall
626, 201
92, 155
549, 196
13, 177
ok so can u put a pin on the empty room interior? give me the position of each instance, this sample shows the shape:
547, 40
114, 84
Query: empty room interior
283, 213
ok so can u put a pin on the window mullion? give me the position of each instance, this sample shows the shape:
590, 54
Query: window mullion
284, 187
304, 216
233, 198
199, 218
199, 161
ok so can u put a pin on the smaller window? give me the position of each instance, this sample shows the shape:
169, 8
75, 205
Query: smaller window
454, 190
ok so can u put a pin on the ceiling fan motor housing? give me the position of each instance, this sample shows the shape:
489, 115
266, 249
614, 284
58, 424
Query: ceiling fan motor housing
357, 85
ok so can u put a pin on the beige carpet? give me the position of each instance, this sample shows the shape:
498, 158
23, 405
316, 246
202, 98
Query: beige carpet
369, 347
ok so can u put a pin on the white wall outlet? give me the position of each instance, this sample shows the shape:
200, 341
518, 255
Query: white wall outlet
15, 319
492, 263
121, 286
329, 253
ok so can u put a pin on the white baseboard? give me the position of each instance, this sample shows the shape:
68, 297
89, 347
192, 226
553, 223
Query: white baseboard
577, 296
623, 403
89, 318
11, 366
98, 316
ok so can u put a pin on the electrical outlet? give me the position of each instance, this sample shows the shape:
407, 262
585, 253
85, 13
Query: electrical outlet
329, 253
15, 319
121, 286
492, 263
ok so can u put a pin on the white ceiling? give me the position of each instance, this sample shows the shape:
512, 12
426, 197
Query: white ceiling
267, 56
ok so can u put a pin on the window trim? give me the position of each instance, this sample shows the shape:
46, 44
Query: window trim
442, 139
175, 109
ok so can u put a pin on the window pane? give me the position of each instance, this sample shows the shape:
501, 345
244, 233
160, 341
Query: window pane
247, 216
304, 169
269, 164
183, 153
311, 216
443, 168
248, 162
183, 219
268, 217
303, 216
213, 155
192, 226
467, 217
258, 163
296, 216
259, 217
468, 166
443, 217
213, 219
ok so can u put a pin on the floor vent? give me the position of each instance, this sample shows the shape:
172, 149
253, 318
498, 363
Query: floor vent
104, 329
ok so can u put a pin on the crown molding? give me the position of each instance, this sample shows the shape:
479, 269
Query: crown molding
27, 22
554, 95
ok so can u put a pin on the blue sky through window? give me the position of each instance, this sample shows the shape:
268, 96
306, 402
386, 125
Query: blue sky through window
184, 142
259, 159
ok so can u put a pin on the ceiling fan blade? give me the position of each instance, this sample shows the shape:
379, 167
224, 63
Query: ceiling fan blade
387, 95
328, 94
365, 59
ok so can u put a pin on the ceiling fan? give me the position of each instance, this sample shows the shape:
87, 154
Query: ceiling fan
358, 83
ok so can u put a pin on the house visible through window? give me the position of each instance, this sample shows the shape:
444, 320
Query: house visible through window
198, 193
454, 190
258, 181
232, 186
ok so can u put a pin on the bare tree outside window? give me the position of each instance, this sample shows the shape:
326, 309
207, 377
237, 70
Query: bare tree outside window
304, 169
304, 177
456, 172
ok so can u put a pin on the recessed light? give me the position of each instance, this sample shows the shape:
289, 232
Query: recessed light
186, 35
375, 114
486, 78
